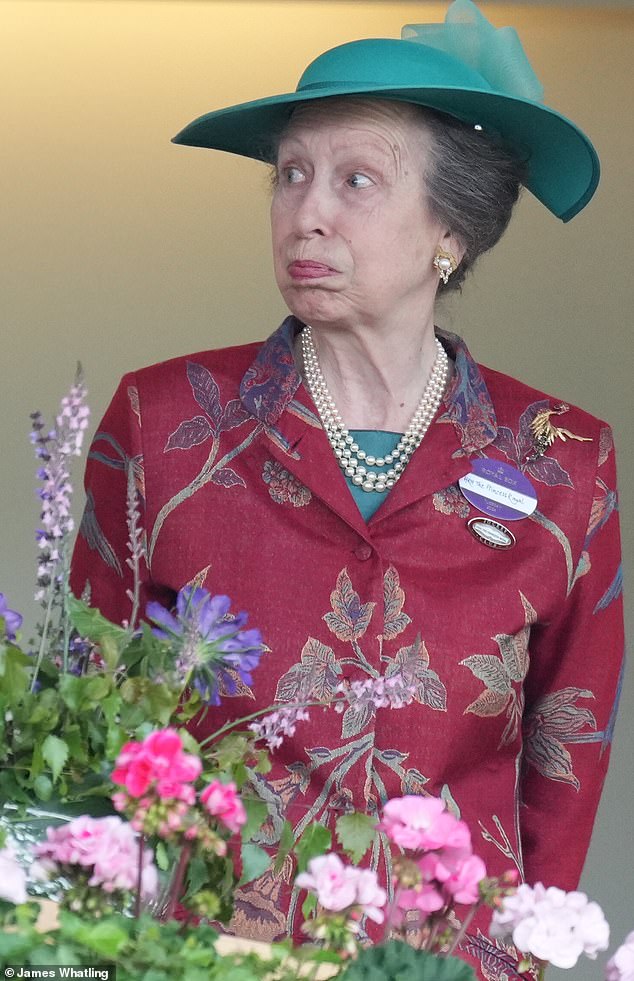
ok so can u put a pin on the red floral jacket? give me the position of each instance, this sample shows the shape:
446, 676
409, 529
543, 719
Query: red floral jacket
515, 653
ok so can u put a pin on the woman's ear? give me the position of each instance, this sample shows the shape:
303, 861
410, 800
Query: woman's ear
451, 243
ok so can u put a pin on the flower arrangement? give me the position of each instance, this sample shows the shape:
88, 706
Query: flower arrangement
141, 835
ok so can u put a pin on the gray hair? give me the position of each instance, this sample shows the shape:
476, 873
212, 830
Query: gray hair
472, 183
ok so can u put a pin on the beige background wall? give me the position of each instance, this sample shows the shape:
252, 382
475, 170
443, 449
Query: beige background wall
120, 249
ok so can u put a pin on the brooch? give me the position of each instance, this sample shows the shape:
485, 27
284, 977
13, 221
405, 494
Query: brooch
544, 432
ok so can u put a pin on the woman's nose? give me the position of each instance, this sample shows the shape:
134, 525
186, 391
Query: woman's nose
314, 211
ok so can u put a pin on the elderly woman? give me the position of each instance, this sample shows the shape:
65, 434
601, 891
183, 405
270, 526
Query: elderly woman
402, 524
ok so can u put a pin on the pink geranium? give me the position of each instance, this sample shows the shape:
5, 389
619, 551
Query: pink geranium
621, 966
107, 846
221, 800
423, 823
464, 882
12, 877
158, 764
341, 887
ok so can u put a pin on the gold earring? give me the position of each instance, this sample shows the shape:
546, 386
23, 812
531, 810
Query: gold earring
446, 263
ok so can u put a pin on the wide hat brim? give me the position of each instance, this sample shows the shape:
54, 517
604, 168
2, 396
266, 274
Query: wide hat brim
563, 167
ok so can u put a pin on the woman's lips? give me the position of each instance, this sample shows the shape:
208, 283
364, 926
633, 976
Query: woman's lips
307, 269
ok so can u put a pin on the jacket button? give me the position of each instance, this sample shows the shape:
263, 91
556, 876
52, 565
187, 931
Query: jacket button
363, 552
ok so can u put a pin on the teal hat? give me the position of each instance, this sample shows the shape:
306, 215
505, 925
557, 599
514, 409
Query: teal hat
465, 68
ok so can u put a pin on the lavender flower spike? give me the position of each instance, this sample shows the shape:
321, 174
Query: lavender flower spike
272, 728
212, 649
12, 619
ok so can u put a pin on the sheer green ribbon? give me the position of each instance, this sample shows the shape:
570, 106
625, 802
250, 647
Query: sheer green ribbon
495, 52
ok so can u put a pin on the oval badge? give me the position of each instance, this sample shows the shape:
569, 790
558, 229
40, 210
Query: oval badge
498, 490
491, 533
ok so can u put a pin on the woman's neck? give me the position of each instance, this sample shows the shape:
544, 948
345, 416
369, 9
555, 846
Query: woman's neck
375, 381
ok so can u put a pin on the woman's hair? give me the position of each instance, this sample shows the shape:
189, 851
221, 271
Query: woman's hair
471, 179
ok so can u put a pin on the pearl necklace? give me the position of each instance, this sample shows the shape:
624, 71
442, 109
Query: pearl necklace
352, 459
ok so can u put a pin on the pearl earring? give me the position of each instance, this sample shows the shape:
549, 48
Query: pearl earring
446, 263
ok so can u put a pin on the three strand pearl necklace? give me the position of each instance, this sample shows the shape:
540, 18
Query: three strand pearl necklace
355, 462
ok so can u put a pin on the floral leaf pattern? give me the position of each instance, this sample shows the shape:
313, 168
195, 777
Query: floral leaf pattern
613, 591
191, 432
606, 444
133, 399
499, 674
413, 664
350, 617
355, 719
553, 721
316, 676
395, 620
226, 477
284, 488
206, 392
451, 501
234, 415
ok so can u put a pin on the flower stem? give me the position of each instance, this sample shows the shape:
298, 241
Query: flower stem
255, 715
466, 923
176, 884
139, 877
43, 638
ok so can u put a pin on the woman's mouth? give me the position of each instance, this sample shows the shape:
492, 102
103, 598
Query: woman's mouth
309, 269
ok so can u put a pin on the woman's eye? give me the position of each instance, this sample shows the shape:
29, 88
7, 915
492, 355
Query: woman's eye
291, 175
359, 180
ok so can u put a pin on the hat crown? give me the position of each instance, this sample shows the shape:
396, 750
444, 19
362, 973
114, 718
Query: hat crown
385, 62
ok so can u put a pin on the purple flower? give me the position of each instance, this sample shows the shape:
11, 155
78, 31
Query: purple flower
211, 645
272, 728
55, 448
12, 620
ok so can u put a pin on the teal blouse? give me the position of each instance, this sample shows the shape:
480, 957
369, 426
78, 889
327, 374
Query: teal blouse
375, 442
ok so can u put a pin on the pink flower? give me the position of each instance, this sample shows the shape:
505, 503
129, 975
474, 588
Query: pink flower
552, 925
327, 878
158, 763
221, 800
339, 887
422, 823
12, 877
464, 882
621, 966
425, 898
107, 846
371, 897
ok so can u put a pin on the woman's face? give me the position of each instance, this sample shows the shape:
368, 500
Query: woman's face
353, 238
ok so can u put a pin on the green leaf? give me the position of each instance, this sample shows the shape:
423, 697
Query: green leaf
396, 960
55, 753
315, 841
43, 787
263, 764
97, 688
89, 622
255, 861
160, 856
287, 840
257, 813
231, 750
355, 833
14, 671
105, 937
309, 904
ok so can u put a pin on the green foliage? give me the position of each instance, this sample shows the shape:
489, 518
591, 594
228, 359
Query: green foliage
397, 961
255, 861
315, 841
355, 833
